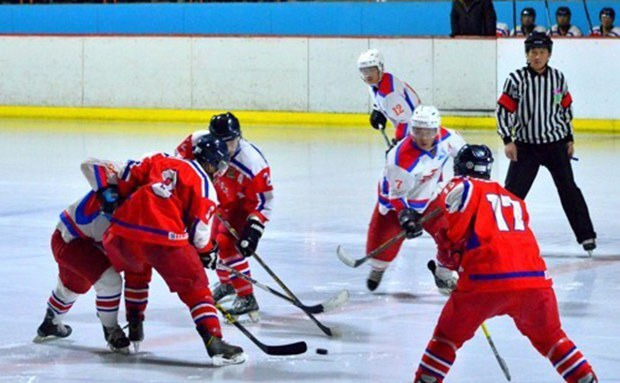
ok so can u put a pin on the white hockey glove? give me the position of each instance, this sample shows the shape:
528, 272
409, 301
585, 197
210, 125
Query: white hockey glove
445, 279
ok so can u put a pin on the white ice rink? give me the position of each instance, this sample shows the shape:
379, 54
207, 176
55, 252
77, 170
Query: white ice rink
325, 182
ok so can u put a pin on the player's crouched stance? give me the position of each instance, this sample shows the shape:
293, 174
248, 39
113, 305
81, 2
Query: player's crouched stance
501, 273
165, 226
76, 245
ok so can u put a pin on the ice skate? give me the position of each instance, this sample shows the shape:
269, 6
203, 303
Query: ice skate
136, 331
221, 353
589, 245
426, 379
245, 305
590, 378
117, 340
49, 330
221, 291
374, 278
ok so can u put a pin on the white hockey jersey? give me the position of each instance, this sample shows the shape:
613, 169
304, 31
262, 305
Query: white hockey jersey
396, 100
596, 31
83, 219
412, 175
573, 31
519, 30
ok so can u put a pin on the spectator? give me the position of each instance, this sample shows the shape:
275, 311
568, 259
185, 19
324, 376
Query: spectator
473, 18
528, 24
502, 30
606, 29
563, 26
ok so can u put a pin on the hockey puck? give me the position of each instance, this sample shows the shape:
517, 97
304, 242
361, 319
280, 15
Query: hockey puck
321, 351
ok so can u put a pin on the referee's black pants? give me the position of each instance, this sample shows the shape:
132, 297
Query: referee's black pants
553, 156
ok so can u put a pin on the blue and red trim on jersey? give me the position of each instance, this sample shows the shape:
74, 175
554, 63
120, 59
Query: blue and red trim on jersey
73, 228
150, 230
510, 275
386, 85
88, 209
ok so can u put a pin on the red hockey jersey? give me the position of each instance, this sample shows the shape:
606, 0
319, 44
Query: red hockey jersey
166, 201
490, 227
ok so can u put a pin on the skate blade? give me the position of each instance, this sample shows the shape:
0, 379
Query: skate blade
136, 346
219, 360
251, 317
47, 338
122, 351
590, 253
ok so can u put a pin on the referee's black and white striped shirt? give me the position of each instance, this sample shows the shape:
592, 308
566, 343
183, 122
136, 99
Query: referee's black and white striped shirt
535, 108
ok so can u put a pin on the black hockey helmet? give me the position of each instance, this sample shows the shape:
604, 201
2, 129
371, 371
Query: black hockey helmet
210, 150
528, 12
475, 161
225, 126
563, 11
609, 12
538, 40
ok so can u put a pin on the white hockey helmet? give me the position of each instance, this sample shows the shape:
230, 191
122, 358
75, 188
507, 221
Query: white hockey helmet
370, 58
425, 116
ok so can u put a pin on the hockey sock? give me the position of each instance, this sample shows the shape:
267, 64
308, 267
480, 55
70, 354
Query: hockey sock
568, 360
437, 359
241, 286
203, 311
136, 294
61, 300
108, 289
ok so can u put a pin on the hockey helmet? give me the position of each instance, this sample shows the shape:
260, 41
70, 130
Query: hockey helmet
475, 161
563, 11
425, 116
210, 150
528, 12
225, 126
370, 58
538, 40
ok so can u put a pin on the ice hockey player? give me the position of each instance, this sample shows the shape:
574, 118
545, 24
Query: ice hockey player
165, 225
501, 272
245, 196
393, 99
563, 26
528, 24
76, 246
606, 16
502, 30
410, 181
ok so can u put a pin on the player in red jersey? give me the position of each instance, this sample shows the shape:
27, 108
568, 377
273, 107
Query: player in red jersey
245, 196
500, 270
165, 225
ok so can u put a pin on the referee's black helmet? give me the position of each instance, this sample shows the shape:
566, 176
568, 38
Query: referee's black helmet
538, 40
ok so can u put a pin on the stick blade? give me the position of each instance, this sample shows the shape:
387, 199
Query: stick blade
336, 301
285, 349
344, 257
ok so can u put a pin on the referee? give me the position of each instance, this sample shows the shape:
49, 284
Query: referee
534, 116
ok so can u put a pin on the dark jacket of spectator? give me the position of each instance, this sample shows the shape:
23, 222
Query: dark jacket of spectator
473, 18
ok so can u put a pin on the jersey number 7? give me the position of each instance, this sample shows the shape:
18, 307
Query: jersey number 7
498, 202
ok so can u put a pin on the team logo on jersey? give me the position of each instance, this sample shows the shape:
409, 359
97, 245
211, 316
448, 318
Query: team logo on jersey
177, 237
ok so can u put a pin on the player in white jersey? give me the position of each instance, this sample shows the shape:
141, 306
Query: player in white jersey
76, 246
411, 178
563, 26
607, 17
393, 99
528, 24
502, 30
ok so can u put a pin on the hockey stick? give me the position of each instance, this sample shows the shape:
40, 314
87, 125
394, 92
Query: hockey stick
328, 331
548, 14
500, 360
432, 266
285, 349
585, 6
331, 304
385, 137
347, 260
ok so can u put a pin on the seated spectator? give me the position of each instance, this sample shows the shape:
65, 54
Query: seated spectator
502, 30
563, 26
473, 18
606, 29
528, 24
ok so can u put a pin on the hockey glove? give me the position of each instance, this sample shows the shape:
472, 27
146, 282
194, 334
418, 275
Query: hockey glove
108, 197
445, 279
377, 120
209, 258
248, 242
409, 220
